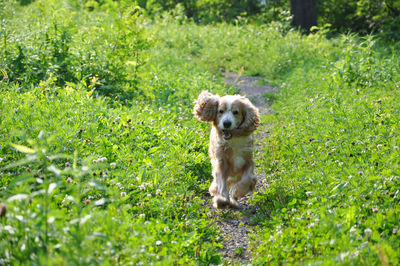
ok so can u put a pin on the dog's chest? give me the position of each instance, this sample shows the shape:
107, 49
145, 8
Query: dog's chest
240, 152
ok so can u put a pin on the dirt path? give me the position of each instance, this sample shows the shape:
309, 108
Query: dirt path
236, 224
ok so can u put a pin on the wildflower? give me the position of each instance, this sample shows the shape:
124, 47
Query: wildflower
67, 164
272, 238
360, 172
16, 110
142, 187
3, 210
95, 161
133, 128
130, 159
375, 209
158, 192
340, 163
396, 148
395, 230
103, 159
309, 193
69, 179
353, 230
87, 202
123, 194
283, 127
113, 165
149, 195
142, 215
312, 100
74, 182
368, 232
173, 242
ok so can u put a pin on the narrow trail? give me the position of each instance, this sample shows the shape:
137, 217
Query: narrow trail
235, 225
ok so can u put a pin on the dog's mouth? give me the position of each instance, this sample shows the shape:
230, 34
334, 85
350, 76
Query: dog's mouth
227, 134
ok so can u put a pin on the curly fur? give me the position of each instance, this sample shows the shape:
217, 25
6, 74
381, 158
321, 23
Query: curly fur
206, 106
234, 119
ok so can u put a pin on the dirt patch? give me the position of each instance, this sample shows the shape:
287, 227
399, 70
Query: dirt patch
236, 224
253, 88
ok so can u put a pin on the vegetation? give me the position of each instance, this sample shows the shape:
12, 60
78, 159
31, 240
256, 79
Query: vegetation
101, 162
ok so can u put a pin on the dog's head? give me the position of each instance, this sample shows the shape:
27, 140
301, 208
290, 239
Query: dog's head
227, 113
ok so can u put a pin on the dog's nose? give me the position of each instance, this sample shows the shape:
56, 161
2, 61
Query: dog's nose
227, 124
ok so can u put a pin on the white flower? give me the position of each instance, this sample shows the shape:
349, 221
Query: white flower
173, 242
353, 230
95, 161
142, 187
395, 230
368, 232
142, 215
309, 193
149, 195
158, 192
123, 194
272, 238
158, 242
113, 165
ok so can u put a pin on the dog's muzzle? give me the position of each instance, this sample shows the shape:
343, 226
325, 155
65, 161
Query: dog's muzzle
227, 134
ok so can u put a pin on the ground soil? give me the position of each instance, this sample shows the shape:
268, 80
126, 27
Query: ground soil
235, 225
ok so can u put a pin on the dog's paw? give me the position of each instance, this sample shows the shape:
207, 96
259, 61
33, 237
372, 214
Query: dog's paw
221, 202
234, 203
213, 189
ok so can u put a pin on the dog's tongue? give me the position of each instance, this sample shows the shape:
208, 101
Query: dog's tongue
227, 134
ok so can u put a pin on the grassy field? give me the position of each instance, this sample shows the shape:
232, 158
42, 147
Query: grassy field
102, 162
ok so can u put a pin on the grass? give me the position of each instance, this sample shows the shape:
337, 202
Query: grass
81, 86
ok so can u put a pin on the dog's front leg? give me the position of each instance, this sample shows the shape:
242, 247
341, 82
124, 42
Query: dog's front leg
221, 198
246, 184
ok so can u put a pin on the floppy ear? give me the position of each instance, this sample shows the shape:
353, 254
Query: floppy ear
251, 118
206, 107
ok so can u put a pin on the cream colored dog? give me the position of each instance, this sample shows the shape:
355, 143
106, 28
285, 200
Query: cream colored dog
234, 119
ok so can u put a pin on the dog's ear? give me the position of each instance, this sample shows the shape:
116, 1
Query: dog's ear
206, 106
251, 117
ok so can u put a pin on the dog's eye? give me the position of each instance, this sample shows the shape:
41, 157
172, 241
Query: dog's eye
235, 112
221, 111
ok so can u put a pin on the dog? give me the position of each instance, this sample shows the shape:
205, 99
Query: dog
234, 119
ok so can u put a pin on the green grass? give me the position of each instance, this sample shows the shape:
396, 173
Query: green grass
79, 86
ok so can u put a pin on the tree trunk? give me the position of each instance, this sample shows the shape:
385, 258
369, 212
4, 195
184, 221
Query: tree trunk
304, 14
